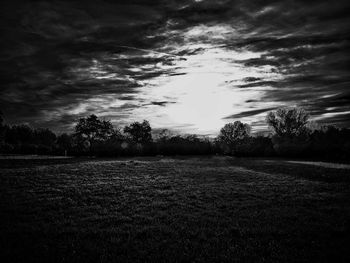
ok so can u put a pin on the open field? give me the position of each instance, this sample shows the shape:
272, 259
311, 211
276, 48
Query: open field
217, 209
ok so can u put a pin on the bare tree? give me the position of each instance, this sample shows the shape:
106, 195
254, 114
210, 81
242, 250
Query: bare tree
288, 121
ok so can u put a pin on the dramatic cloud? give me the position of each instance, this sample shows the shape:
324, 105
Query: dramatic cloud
187, 65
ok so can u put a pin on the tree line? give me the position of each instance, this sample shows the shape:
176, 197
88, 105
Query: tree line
292, 135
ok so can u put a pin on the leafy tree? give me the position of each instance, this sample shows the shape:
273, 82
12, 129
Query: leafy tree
288, 121
117, 136
232, 132
139, 132
93, 129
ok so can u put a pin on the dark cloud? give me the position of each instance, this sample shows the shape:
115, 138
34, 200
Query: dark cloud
160, 103
248, 113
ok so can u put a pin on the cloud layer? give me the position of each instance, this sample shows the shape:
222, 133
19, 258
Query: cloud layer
182, 64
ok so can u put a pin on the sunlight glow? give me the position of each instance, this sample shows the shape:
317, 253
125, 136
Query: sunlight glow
206, 94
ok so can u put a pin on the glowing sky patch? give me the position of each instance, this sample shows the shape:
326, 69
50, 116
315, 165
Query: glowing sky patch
205, 93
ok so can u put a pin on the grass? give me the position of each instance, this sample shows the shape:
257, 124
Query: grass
215, 209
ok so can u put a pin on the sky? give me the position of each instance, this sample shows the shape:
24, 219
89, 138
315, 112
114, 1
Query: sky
190, 66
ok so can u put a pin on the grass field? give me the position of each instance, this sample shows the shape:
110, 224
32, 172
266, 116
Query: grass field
217, 209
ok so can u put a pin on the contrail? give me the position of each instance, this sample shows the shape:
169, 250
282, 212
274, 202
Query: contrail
154, 51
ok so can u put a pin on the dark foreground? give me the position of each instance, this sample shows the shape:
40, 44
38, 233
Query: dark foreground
173, 210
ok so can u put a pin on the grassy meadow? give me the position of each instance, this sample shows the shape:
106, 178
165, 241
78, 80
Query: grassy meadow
207, 209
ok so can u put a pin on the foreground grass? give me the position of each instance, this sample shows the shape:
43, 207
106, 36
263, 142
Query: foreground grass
173, 210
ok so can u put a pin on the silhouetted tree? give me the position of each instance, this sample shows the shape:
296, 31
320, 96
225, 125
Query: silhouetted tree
232, 132
1, 119
93, 129
164, 135
45, 137
64, 142
20, 134
139, 132
254, 146
192, 138
112, 146
2, 129
288, 121
117, 136
291, 132
182, 145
